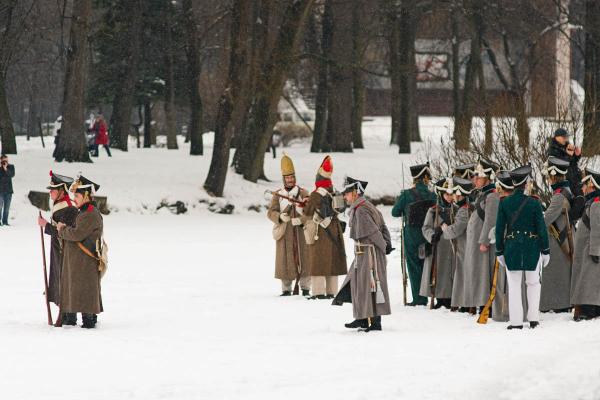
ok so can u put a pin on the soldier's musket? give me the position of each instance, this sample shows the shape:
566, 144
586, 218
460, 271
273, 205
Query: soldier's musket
485, 313
402, 251
301, 203
48, 311
433, 277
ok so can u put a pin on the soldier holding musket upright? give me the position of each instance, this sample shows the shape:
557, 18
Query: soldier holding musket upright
63, 211
585, 281
291, 252
80, 282
556, 277
438, 273
412, 206
366, 283
522, 245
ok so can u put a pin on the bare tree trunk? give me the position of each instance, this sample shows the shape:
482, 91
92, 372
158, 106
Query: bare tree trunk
7, 132
341, 80
171, 125
73, 144
408, 28
148, 125
456, 100
591, 115
394, 69
357, 76
126, 78
241, 10
194, 68
319, 134
270, 82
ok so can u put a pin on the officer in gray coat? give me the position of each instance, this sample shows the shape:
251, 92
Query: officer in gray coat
556, 277
439, 287
585, 280
366, 282
457, 232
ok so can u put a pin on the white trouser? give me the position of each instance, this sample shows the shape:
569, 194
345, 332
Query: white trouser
304, 284
515, 303
324, 285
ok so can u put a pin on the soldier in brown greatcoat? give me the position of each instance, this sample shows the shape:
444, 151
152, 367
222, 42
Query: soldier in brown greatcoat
291, 254
80, 283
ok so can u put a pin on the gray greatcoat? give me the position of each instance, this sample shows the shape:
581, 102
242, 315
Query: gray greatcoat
62, 211
285, 266
458, 232
585, 280
367, 228
445, 260
80, 281
478, 267
556, 276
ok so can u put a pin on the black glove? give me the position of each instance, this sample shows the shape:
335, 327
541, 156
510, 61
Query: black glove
388, 249
436, 235
596, 259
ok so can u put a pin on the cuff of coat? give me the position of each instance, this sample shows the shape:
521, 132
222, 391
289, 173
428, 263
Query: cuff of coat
546, 251
499, 253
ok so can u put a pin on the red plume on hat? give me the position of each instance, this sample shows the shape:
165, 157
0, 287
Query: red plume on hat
326, 168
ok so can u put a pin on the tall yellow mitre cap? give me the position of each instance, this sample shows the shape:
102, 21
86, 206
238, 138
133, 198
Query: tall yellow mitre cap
287, 166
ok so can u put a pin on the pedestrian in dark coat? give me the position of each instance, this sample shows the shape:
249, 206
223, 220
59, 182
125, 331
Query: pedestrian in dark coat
7, 172
561, 148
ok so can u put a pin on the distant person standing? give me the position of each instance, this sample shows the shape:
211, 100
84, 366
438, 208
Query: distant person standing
7, 172
101, 136
562, 149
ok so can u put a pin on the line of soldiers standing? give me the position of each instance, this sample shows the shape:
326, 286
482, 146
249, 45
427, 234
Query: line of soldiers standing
310, 246
75, 228
483, 234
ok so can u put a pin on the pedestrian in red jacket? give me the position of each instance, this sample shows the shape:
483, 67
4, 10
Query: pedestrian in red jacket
101, 131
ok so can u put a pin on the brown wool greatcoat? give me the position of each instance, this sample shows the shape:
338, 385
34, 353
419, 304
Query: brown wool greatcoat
285, 266
80, 283
67, 215
326, 257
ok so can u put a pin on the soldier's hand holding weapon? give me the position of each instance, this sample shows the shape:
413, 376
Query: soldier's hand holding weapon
444, 227
284, 217
296, 221
42, 221
60, 226
437, 235
389, 249
484, 248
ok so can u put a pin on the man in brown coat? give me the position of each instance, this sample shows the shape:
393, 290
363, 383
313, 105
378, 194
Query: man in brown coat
63, 210
80, 283
327, 257
291, 253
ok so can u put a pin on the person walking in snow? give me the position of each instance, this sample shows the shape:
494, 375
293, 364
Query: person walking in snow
63, 211
7, 173
412, 206
80, 282
366, 284
522, 245
101, 136
324, 235
291, 251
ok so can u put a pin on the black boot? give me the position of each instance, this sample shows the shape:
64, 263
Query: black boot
375, 324
69, 319
358, 323
305, 292
510, 327
330, 296
318, 297
89, 321
533, 324
286, 293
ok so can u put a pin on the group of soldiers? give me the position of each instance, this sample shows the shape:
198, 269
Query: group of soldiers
75, 228
310, 244
479, 241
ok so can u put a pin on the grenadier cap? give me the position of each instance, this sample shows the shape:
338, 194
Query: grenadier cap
351, 184
556, 166
287, 166
504, 180
417, 171
57, 181
326, 168
520, 175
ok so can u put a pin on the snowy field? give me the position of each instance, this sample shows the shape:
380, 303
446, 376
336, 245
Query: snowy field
192, 309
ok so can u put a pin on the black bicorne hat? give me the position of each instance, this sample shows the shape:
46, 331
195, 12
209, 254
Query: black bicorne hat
504, 180
486, 168
592, 175
556, 166
417, 171
465, 170
444, 185
57, 181
351, 184
520, 175
82, 185
462, 186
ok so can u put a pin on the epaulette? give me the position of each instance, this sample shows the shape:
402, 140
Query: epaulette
466, 205
433, 207
535, 196
90, 208
558, 190
596, 199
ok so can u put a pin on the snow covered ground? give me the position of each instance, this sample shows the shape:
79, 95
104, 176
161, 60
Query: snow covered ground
192, 309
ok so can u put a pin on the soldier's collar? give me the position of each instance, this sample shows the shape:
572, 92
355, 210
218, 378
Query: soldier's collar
489, 187
592, 195
560, 184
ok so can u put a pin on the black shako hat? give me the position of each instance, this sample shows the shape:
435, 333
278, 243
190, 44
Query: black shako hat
57, 181
592, 175
556, 166
504, 180
444, 186
486, 168
82, 185
418, 171
351, 184
465, 170
561, 132
462, 186
520, 175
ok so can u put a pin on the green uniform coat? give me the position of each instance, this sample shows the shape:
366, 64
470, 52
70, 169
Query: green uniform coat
413, 238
